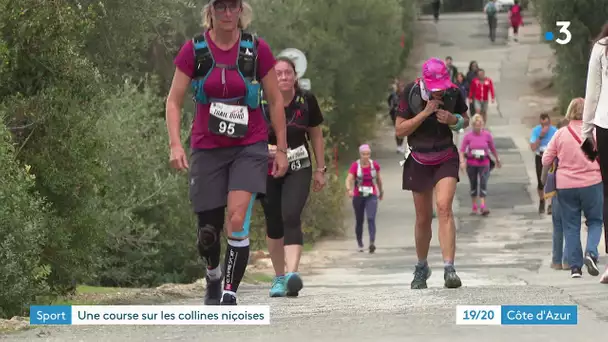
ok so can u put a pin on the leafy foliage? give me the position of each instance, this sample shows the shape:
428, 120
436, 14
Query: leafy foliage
87, 193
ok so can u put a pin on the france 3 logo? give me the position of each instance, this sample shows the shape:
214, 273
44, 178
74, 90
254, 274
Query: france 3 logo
564, 35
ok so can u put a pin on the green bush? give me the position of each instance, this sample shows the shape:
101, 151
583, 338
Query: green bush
98, 203
150, 227
23, 231
587, 18
353, 48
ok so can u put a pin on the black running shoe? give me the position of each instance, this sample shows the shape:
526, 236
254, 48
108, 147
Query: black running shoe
576, 272
591, 263
450, 278
213, 291
541, 207
421, 275
372, 248
228, 299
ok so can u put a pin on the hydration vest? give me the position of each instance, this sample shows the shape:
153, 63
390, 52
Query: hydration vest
360, 172
246, 65
491, 9
300, 100
416, 105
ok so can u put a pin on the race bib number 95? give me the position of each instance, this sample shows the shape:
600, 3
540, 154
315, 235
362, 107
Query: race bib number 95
298, 159
228, 120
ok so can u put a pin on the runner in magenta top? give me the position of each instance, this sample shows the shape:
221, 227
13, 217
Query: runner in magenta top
475, 152
257, 130
367, 179
475, 144
364, 186
430, 109
229, 138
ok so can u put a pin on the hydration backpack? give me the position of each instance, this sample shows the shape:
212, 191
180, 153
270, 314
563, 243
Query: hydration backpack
246, 65
360, 172
300, 100
491, 9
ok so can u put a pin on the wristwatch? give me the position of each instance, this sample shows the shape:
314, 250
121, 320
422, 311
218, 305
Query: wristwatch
323, 169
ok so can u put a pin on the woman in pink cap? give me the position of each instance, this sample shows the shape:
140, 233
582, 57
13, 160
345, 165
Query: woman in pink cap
431, 108
364, 186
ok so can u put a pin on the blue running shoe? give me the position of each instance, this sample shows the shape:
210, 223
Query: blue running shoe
294, 284
278, 287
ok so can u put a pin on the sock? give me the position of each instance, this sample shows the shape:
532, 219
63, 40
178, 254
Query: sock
214, 273
448, 263
235, 263
422, 263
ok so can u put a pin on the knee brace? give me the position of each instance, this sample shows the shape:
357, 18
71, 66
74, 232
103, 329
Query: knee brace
207, 237
210, 225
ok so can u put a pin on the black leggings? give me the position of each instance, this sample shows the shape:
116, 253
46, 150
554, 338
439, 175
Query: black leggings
538, 163
283, 205
602, 149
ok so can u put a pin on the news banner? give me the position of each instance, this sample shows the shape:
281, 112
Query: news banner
260, 315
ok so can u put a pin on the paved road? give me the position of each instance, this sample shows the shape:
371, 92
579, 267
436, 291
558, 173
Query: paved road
502, 259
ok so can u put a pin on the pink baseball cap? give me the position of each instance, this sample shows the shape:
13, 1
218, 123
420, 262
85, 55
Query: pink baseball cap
435, 75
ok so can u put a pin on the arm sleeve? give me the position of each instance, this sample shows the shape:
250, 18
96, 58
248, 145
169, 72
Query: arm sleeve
492, 90
535, 134
376, 166
592, 89
491, 144
472, 89
544, 173
353, 169
551, 151
465, 143
184, 60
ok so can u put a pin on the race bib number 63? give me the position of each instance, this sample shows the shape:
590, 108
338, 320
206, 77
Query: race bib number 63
228, 120
298, 158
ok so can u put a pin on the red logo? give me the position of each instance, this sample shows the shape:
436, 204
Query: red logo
298, 113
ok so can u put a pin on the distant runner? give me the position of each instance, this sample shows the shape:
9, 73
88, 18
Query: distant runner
516, 19
431, 109
475, 159
490, 11
539, 140
364, 186
481, 92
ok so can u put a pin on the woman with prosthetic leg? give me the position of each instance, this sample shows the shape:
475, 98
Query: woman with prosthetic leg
431, 109
286, 196
225, 67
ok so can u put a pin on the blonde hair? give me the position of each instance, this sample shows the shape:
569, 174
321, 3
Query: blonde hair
245, 17
575, 109
478, 118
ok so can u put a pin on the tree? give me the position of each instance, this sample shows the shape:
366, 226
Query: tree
587, 18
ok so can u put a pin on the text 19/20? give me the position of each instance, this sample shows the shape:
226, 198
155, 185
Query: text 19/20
478, 315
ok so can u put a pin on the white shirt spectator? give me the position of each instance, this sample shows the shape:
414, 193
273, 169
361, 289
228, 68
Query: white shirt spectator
596, 92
